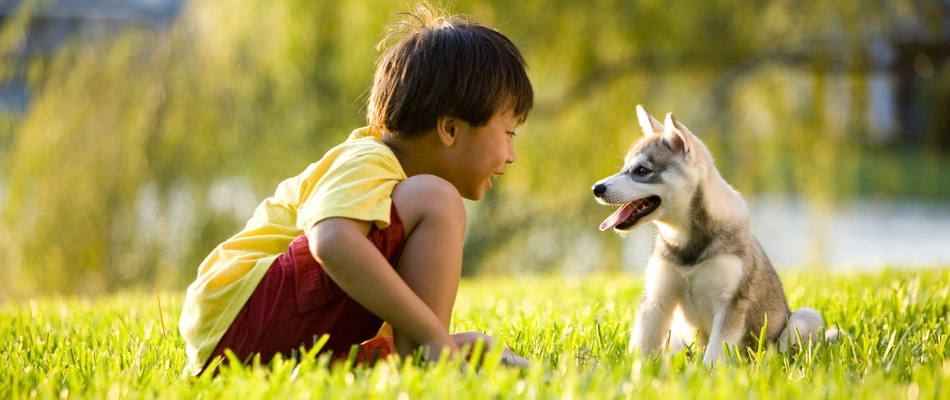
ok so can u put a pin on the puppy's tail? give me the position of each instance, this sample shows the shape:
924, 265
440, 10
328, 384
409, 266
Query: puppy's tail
804, 324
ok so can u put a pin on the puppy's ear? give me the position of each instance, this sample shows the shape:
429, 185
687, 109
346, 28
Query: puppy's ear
677, 136
649, 125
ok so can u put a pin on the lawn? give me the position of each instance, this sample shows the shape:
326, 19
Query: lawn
575, 328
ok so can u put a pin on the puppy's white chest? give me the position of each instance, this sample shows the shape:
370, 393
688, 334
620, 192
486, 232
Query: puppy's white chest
707, 288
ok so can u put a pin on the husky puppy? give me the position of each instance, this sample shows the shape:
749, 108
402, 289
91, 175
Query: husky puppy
705, 266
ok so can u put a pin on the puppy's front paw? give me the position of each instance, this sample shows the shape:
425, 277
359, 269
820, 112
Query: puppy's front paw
639, 345
714, 356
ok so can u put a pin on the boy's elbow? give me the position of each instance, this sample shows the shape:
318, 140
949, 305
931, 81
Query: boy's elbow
329, 237
323, 241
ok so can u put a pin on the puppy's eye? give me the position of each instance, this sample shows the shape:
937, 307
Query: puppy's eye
641, 171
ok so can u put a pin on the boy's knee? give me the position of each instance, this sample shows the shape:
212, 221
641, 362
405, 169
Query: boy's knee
424, 196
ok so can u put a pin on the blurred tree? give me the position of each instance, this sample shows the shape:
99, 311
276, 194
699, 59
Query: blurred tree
140, 152
758, 81
127, 132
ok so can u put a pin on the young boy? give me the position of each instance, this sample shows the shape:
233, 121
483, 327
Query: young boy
373, 231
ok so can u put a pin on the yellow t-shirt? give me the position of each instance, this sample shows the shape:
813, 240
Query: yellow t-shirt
354, 180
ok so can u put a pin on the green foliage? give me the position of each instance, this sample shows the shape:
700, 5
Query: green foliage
111, 167
574, 330
141, 151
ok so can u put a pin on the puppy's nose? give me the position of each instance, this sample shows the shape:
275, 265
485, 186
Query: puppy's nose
599, 189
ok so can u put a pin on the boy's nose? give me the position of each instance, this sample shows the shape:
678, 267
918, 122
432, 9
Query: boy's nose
512, 154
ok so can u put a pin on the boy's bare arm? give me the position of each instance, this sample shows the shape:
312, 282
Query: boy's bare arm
354, 263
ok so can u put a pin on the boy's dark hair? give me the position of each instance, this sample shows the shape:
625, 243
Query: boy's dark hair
445, 66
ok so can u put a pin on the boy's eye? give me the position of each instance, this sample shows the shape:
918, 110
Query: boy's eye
641, 171
511, 134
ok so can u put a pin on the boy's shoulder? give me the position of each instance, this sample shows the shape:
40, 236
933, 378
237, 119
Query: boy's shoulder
363, 149
365, 132
363, 142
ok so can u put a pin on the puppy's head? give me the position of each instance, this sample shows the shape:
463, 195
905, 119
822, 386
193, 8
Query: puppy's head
654, 176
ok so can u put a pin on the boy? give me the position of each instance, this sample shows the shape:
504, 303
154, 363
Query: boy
373, 231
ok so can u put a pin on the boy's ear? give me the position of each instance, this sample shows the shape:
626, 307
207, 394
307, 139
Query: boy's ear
447, 128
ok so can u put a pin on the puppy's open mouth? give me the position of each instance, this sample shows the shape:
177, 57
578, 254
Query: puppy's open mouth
630, 213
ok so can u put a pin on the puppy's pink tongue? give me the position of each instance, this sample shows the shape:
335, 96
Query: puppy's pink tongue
617, 217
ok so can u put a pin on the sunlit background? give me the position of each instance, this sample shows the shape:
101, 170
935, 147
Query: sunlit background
135, 135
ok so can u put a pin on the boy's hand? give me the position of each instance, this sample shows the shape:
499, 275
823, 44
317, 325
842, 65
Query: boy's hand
507, 356
432, 351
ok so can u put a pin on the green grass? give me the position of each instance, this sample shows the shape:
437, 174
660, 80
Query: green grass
576, 329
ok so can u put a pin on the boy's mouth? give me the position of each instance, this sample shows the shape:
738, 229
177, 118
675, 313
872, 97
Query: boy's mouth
628, 214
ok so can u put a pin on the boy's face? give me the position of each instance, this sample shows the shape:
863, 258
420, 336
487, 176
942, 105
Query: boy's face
481, 153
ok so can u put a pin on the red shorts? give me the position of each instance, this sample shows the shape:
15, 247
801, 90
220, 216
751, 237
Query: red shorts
297, 302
